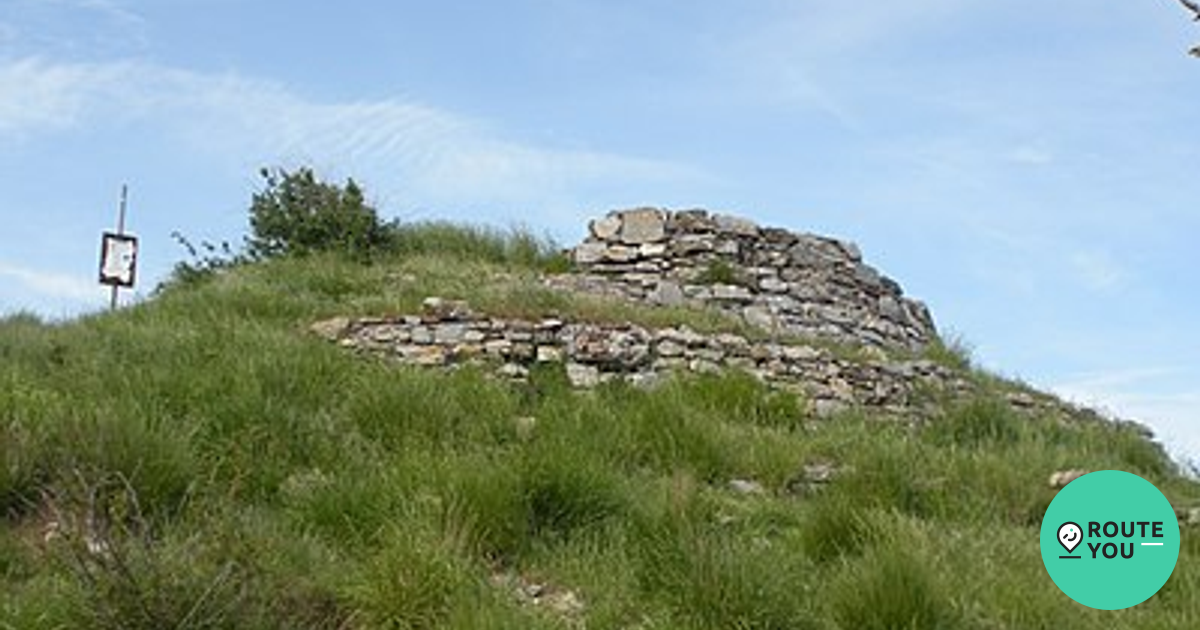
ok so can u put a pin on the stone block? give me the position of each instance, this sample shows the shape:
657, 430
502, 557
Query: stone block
580, 375
549, 354
449, 333
646, 225
605, 229
667, 294
731, 293
589, 253
692, 221
760, 316
727, 247
332, 329
728, 224
773, 284
652, 250
620, 254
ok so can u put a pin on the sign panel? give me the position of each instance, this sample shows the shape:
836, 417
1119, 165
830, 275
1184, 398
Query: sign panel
118, 259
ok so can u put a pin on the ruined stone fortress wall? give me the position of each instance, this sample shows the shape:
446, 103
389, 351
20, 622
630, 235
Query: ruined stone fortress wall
809, 288
775, 279
449, 333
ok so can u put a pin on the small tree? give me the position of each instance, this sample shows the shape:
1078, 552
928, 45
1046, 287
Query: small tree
297, 214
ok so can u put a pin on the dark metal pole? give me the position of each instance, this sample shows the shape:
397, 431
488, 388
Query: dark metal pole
120, 230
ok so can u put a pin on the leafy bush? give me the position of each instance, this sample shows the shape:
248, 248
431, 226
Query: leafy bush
298, 214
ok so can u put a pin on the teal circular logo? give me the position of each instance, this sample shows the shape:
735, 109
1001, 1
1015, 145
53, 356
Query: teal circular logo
1110, 540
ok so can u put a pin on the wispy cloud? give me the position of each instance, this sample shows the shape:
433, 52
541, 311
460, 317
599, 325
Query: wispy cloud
74, 27
435, 152
50, 284
37, 97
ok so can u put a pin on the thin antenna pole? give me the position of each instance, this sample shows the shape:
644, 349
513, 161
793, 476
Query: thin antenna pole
120, 230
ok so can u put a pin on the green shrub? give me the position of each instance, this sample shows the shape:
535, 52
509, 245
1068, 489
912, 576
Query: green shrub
298, 214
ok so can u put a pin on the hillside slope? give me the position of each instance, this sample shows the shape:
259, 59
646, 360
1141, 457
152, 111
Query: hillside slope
202, 460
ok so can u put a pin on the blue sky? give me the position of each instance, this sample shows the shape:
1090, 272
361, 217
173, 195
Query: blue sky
1027, 168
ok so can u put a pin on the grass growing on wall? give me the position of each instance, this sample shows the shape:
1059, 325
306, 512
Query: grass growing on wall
253, 476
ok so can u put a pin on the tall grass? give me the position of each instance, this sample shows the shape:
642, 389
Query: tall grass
253, 476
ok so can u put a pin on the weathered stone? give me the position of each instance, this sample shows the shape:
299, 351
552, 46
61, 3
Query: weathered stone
731, 292
513, 370
589, 253
498, 347
449, 333
692, 221
581, 375
646, 225
890, 309
761, 317
424, 355
667, 293
801, 354
728, 224
652, 250
851, 250
773, 284
605, 229
1063, 477
727, 248
778, 236
331, 329
438, 309
867, 277
620, 253
669, 348
421, 335
691, 244
549, 354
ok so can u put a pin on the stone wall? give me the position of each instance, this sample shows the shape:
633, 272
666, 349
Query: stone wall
449, 333
778, 280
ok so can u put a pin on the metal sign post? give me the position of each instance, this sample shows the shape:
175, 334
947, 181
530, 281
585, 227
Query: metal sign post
118, 254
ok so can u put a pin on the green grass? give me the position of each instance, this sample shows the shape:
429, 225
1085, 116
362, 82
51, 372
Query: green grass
254, 476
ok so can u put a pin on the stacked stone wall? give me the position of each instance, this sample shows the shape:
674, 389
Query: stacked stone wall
799, 284
448, 333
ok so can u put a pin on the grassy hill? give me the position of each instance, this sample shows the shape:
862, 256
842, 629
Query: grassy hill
201, 461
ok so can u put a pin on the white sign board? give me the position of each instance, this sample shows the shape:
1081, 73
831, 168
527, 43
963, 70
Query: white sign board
118, 259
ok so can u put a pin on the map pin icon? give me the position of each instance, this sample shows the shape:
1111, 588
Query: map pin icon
1069, 536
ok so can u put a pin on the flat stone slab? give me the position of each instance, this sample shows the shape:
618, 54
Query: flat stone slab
645, 225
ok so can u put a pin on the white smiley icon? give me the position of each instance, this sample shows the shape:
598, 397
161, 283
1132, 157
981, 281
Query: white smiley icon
1069, 536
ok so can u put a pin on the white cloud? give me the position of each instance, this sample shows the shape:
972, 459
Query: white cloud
91, 27
51, 284
440, 154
